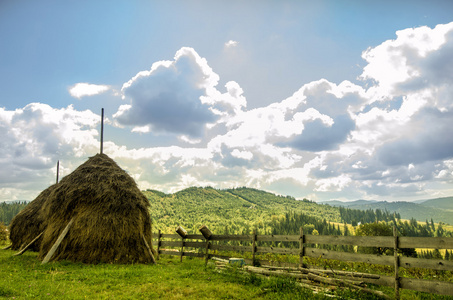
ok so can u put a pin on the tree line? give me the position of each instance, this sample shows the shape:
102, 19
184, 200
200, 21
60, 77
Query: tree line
357, 216
9, 210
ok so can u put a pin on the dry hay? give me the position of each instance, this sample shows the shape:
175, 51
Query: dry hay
29, 222
110, 216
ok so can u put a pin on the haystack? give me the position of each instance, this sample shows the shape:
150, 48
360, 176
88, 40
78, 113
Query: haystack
109, 216
29, 223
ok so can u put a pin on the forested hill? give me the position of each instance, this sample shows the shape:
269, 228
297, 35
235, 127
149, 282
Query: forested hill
228, 211
440, 210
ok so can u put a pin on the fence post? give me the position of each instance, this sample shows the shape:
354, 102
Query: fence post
397, 264
182, 233
159, 242
254, 247
302, 248
207, 235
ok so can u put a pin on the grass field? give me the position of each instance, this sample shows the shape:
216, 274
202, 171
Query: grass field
23, 277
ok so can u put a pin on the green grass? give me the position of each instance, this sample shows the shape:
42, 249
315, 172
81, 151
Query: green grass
23, 277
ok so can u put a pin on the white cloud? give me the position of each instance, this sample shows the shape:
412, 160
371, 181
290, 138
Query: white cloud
327, 140
141, 129
178, 97
34, 138
83, 89
231, 43
395, 62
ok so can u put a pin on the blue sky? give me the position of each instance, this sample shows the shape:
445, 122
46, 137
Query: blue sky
318, 99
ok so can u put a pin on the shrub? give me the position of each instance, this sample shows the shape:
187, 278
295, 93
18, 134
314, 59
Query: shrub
3, 233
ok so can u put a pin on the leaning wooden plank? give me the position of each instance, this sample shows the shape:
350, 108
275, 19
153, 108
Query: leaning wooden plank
314, 277
149, 250
7, 247
29, 245
57, 243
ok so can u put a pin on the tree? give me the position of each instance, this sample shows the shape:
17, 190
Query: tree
374, 229
3, 233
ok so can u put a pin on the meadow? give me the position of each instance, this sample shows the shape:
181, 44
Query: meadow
24, 277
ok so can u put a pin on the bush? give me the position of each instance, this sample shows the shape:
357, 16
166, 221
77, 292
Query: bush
3, 233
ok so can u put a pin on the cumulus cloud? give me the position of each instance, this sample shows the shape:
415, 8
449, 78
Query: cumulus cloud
178, 97
387, 139
35, 137
83, 89
387, 136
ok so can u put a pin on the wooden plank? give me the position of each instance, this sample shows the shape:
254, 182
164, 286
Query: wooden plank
29, 244
382, 280
277, 238
365, 241
193, 254
231, 248
57, 243
195, 244
149, 249
278, 250
186, 244
354, 257
194, 237
426, 242
428, 286
434, 264
170, 244
171, 236
231, 237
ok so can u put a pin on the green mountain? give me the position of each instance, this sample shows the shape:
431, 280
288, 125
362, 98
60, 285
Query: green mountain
233, 211
440, 209
445, 203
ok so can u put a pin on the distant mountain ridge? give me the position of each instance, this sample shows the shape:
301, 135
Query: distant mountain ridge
439, 209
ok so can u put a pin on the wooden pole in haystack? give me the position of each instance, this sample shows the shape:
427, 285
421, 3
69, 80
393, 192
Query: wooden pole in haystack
58, 169
102, 130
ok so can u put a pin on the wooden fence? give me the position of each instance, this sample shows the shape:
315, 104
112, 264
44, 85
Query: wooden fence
207, 245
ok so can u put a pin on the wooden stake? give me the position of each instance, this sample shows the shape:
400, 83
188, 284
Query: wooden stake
149, 249
58, 169
57, 243
397, 264
254, 247
301, 247
29, 245
159, 242
207, 252
102, 130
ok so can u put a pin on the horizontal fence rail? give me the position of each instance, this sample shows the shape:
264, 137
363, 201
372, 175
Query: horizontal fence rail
203, 245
